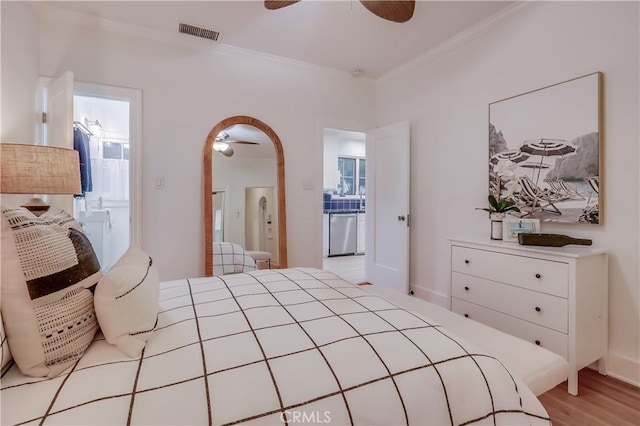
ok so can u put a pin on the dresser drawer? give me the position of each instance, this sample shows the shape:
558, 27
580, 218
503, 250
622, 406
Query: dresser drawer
549, 339
543, 309
535, 274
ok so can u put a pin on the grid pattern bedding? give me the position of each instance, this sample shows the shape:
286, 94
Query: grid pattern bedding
231, 258
274, 347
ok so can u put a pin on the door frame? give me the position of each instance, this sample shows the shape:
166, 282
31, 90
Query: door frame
134, 97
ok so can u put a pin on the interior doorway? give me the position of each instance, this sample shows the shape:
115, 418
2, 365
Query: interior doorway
103, 123
101, 134
344, 203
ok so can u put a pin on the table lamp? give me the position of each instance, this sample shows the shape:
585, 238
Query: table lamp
38, 169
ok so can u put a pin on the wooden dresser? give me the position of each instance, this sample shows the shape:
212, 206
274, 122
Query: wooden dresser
553, 297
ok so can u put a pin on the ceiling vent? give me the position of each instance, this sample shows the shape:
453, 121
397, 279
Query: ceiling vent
198, 32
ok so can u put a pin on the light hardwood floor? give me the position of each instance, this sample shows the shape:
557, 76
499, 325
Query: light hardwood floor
350, 268
601, 400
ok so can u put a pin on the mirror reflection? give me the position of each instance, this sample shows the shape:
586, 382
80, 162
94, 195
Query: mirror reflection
245, 192
244, 195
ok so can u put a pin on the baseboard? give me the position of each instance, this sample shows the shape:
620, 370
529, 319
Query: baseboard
430, 295
624, 368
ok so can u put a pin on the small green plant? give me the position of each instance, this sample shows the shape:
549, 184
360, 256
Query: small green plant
500, 206
506, 186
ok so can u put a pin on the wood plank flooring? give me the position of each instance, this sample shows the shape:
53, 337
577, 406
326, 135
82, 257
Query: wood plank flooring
601, 400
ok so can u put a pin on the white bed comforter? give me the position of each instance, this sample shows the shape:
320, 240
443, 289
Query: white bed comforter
273, 346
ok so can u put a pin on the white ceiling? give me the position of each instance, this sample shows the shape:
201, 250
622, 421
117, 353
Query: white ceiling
338, 34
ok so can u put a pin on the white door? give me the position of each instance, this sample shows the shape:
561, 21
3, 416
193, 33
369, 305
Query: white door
387, 212
59, 109
58, 129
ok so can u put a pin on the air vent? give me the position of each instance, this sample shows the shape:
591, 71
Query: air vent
198, 32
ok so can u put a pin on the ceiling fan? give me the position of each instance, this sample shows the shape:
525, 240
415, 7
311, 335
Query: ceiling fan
391, 10
222, 144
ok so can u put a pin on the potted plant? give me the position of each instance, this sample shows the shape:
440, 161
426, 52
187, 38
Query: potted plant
503, 202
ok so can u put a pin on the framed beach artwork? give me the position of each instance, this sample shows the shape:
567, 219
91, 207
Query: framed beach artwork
544, 151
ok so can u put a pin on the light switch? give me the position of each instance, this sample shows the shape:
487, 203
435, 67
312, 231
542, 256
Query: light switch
159, 183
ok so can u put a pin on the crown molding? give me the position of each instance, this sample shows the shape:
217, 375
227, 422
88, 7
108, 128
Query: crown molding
465, 36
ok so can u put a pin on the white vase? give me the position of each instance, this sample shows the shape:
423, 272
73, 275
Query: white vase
496, 225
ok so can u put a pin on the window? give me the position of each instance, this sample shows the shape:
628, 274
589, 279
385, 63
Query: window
112, 150
347, 169
115, 150
352, 175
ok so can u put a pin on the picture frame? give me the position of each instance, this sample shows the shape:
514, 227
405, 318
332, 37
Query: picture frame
512, 226
552, 140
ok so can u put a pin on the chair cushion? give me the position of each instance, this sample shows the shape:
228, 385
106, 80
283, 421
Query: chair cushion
48, 268
230, 258
126, 301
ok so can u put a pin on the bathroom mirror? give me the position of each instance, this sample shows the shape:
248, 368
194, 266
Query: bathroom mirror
244, 198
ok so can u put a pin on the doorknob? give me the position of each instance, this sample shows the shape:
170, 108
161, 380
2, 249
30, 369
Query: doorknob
401, 218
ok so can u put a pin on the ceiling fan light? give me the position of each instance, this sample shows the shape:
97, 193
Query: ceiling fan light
220, 146
223, 148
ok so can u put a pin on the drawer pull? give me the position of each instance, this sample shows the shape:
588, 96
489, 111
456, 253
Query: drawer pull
538, 342
466, 315
467, 261
466, 288
538, 276
538, 308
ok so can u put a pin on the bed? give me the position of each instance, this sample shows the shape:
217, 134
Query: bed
290, 346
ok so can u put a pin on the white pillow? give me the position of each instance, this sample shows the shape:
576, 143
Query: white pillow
48, 267
127, 300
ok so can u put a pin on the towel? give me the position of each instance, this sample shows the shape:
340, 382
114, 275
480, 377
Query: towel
81, 144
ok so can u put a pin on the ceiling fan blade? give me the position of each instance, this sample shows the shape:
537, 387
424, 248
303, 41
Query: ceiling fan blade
243, 142
278, 4
395, 11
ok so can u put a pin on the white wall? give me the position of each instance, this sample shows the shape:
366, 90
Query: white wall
20, 41
187, 89
19, 116
445, 96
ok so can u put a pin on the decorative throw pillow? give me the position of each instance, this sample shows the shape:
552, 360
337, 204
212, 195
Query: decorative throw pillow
48, 268
230, 258
127, 300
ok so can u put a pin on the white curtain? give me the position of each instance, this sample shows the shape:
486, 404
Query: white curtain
110, 179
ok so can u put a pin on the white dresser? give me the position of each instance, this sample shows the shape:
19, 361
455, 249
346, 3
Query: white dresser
553, 297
